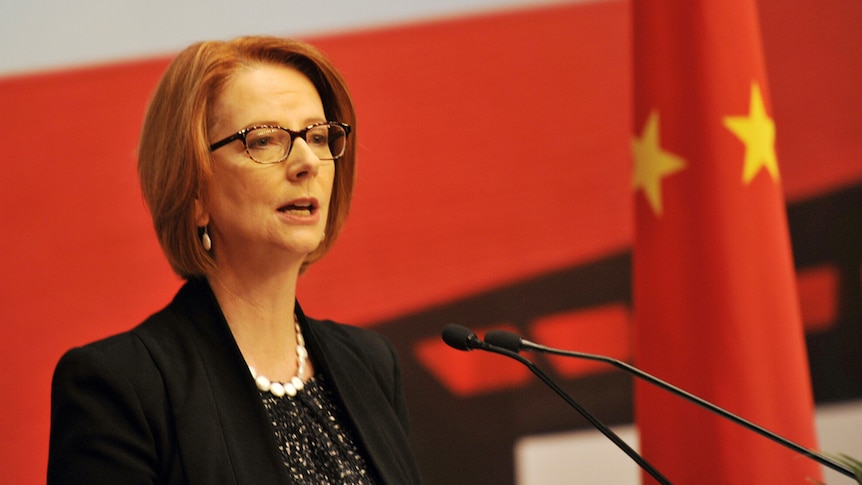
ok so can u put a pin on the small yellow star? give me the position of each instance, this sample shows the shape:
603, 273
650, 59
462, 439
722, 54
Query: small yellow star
757, 132
652, 163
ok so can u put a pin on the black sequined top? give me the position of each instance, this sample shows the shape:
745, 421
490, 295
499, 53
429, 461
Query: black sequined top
315, 438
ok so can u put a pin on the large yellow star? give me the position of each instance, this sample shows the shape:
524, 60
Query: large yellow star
757, 132
652, 163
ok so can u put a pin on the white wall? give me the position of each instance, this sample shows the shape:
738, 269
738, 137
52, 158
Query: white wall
45, 34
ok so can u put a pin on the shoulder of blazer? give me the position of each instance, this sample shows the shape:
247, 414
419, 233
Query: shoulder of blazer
178, 374
109, 422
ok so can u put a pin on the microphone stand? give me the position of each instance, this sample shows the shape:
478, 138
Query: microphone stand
474, 342
502, 337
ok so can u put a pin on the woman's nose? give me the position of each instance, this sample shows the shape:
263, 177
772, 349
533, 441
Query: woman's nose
301, 162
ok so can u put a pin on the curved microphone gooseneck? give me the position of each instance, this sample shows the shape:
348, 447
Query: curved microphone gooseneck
515, 343
462, 338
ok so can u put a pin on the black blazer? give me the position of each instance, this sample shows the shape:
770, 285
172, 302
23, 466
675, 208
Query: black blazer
172, 402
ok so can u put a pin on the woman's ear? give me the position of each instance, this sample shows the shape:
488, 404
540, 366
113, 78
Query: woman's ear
202, 217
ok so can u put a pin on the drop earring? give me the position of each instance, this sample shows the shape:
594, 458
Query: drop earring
205, 239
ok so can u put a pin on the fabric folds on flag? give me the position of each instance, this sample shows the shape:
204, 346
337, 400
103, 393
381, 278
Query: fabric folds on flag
715, 302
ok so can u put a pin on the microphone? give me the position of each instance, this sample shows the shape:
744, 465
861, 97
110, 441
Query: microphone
462, 338
515, 343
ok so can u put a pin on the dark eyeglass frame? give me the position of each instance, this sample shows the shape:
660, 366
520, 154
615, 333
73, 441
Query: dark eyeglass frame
241, 134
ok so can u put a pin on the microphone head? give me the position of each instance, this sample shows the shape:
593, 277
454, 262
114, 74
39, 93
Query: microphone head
505, 340
458, 337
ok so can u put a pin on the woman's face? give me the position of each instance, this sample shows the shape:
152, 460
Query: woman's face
261, 214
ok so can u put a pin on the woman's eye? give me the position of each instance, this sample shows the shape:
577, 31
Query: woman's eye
259, 142
263, 138
318, 138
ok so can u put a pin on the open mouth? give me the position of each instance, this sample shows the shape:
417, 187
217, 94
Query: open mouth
299, 208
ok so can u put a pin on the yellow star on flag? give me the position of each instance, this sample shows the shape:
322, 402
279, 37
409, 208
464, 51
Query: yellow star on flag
757, 132
652, 163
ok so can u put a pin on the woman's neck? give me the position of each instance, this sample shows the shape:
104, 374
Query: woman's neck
259, 309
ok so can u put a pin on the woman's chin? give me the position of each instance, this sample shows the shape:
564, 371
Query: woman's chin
302, 247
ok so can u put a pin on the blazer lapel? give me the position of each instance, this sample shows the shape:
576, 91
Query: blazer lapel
223, 432
372, 414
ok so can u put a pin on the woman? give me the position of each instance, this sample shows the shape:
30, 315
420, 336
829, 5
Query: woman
247, 167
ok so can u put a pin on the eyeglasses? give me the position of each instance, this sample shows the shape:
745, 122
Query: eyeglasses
272, 144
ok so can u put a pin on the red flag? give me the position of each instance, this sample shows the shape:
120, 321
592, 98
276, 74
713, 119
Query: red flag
716, 309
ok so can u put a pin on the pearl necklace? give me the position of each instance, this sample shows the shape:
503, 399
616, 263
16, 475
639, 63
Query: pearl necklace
279, 389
